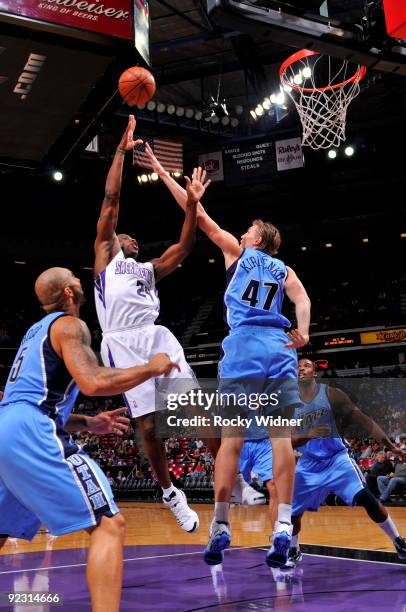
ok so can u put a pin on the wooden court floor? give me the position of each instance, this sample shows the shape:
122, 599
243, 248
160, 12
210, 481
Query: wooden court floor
152, 524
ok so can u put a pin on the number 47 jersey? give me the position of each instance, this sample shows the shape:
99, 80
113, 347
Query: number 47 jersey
255, 290
125, 294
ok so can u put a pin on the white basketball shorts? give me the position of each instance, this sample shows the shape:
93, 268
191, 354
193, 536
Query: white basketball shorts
136, 346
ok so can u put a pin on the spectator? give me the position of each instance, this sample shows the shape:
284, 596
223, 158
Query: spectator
381, 467
387, 484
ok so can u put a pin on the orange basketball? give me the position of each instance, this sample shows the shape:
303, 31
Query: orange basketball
136, 85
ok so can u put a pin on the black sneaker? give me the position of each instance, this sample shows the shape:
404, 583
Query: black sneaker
294, 556
400, 545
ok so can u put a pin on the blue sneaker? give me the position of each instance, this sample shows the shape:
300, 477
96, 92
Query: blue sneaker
277, 555
220, 539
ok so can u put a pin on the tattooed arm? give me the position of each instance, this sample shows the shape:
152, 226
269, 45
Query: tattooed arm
70, 338
107, 245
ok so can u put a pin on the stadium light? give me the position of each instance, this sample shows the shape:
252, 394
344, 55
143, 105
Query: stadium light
154, 176
307, 72
349, 151
180, 111
234, 122
161, 108
259, 111
332, 154
144, 178
298, 79
189, 112
253, 114
151, 106
198, 115
304, 248
225, 120
328, 245
239, 109
170, 109
57, 176
365, 240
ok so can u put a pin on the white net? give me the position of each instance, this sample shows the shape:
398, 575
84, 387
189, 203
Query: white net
322, 89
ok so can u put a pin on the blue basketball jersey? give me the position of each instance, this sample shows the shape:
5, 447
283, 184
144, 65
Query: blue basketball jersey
255, 290
315, 413
39, 376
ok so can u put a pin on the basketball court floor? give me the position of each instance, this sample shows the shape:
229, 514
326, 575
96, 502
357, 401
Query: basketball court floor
348, 564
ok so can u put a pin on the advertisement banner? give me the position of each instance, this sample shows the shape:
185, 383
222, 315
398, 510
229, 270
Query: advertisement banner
111, 17
384, 336
289, 154
213, 164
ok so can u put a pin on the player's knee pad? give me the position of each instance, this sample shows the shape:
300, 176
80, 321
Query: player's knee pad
368, 501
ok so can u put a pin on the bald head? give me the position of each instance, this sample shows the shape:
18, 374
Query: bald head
50, 285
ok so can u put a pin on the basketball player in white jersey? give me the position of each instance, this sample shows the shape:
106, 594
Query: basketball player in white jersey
127, 306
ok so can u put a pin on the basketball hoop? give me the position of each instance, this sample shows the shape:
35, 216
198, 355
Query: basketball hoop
322, 91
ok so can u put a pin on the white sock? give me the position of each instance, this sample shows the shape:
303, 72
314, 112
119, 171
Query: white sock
168, 491
221, 511
284, 513
389, 528
295, 541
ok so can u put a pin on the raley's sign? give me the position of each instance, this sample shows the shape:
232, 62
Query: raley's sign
384, 336
112, 17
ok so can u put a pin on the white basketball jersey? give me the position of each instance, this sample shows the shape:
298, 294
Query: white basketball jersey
125, 294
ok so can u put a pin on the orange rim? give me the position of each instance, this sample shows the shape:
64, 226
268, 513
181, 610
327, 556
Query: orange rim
299, 55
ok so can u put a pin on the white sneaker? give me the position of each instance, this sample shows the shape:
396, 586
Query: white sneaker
277, 555
246, 495
186, 518
220, 538
251, 497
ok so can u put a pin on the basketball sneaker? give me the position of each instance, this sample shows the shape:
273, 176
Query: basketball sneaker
220, 538
246, 495
400, 545
294, 557
186, 518
277, 555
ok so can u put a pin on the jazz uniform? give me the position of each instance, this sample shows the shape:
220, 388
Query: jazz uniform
44, 476
255, 347
325, 465
127, 306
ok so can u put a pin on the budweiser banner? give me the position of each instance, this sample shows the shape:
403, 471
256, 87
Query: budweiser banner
112, 17
289, 154
384, 336
213, 164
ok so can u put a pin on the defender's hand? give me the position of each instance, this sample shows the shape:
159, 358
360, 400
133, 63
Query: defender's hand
162, 364
156, 166
110, 422
197, 186
296, 339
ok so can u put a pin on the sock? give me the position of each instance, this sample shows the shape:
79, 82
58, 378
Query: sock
284, 513
295, 541
168, 491
221, 511
389, 528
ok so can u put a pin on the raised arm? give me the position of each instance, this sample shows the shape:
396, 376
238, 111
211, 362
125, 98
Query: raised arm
224, 240
298, 295
70, 339
355, 423
107, 245
172, 257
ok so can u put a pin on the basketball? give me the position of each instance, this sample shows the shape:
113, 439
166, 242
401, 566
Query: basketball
136, 86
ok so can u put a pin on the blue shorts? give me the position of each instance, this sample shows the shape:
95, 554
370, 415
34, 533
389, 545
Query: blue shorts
39, 486
256, 456
255, 360
316, 478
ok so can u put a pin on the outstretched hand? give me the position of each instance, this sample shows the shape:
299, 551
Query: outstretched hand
197, 186
127, 142
156, 166
110, 422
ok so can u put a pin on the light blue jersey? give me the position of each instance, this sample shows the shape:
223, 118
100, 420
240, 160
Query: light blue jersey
255, 290
315, 413
45, 478
325, 465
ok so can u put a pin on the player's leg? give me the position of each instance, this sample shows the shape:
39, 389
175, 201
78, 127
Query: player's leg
378, 513
295, 555
283, 468
273, 501
105, 563
227, 461
155, 450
